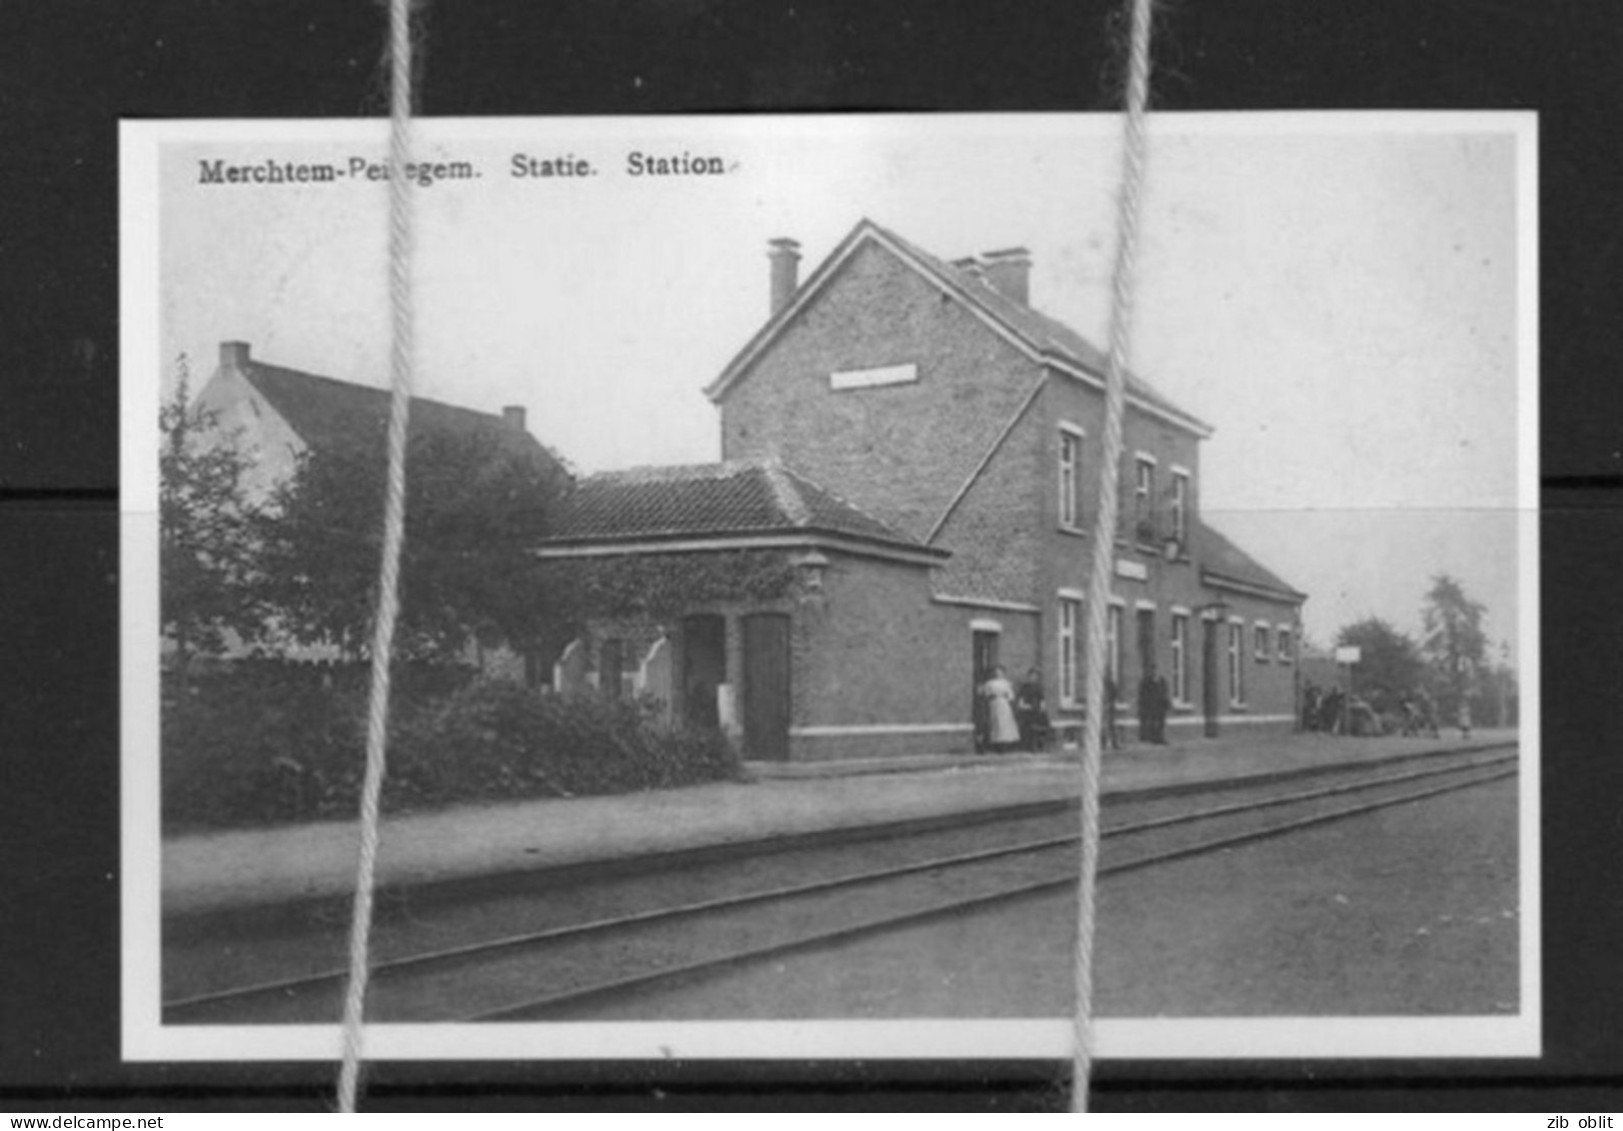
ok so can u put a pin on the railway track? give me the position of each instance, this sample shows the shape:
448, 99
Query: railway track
564, 967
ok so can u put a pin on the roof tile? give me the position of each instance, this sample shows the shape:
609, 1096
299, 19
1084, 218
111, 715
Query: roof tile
1047, 335
1222, 557
329, 413
706, 500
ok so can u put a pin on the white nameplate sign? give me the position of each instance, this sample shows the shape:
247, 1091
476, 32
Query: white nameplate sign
865, 378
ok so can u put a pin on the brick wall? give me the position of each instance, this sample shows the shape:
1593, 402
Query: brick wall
997, 533
1270, 684
877, 655
872, 649
899, 451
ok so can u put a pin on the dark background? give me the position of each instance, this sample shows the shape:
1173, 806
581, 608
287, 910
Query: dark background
69, 70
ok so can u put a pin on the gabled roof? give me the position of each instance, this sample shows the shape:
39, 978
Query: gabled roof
328, 413
749, 498
1043, 338
1223, 563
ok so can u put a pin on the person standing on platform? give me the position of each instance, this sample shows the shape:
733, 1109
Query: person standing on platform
1004, 730
1161, 703
1031, 713
1111, 738
1146, 707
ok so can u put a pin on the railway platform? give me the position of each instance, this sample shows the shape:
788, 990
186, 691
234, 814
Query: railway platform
261, 868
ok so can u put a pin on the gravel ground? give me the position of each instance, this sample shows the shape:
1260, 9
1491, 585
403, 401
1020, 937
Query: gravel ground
1408, 911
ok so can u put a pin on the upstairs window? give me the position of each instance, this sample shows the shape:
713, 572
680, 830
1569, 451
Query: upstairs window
1144, 499
1070, 477
1180, 507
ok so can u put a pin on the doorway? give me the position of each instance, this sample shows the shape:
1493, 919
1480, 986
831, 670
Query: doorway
983, 660
766, 686
704, 668
611, 667
1146, 644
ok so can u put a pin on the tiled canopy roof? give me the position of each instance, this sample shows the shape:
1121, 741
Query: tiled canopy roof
740, 497
328, 413
1221, 560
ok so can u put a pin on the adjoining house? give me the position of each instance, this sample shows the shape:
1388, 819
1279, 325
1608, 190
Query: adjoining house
275, 415
926, 444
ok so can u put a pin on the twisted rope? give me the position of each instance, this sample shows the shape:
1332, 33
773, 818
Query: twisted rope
394, 528
1104, 534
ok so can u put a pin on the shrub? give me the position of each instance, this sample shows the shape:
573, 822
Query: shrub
500, 739
262, 744
259, 745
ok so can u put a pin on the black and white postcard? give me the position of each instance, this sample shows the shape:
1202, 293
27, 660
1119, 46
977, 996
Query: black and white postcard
753, 479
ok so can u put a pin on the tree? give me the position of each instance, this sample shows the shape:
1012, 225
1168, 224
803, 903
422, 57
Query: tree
1454, 644
474, 508
209, 531
1390, 667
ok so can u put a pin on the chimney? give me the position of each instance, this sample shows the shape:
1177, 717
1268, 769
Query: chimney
513, 417
1009, 271
785, 257
233, 355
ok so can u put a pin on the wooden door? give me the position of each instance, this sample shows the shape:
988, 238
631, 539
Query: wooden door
766, 686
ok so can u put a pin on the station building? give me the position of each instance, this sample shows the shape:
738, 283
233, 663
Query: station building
919, 448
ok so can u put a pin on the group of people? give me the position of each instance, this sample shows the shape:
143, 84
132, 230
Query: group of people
1331, 711
1322, 710
1017, 717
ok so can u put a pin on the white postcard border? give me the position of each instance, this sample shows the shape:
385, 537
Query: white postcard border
145, 1038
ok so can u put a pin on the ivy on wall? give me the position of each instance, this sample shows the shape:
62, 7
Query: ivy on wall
662, 586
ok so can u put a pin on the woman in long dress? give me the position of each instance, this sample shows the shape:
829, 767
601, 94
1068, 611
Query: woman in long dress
1005, 730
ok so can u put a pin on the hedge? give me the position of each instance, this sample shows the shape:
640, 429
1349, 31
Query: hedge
244, 747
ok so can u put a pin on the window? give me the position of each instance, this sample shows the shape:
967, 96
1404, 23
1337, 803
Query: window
1180, 506
1262, 647
1180, 658
1236, 668
1070, 645
1113, 646
1286, 645
1144, 499
1070, 477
